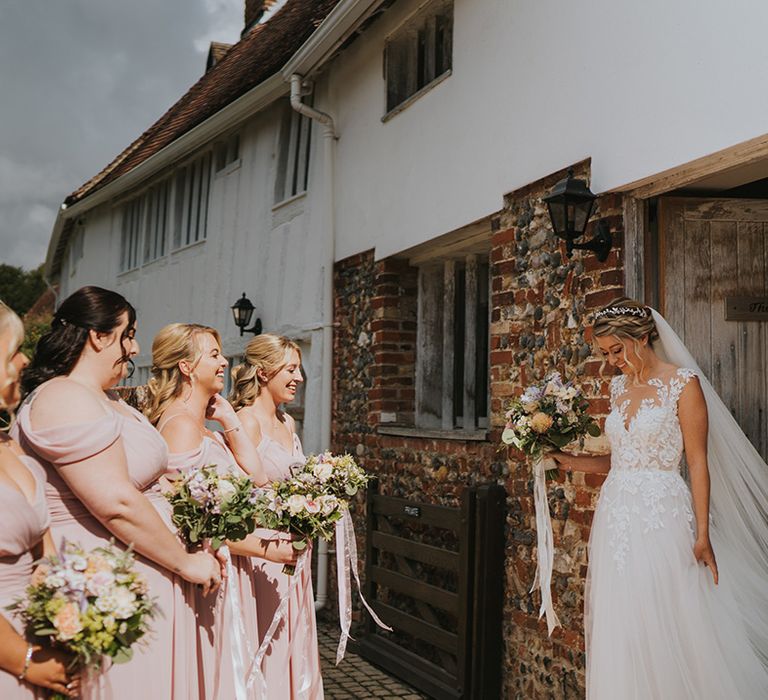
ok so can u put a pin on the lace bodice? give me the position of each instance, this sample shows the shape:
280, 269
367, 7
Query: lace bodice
650, 439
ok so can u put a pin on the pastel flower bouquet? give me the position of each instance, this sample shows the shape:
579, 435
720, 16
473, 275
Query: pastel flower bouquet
309, 504
549, 415
92, 604
211, 506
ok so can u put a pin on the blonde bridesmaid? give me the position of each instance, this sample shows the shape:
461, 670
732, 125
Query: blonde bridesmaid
25, 668
268, 378
188, 370
103, 461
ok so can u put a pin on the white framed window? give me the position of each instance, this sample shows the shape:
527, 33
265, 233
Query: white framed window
452, 344
193, 188
156, 225
226, 152
130, 240
293, 158
419, 52
76, 247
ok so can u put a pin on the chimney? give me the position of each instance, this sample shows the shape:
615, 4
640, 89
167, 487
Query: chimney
254, 10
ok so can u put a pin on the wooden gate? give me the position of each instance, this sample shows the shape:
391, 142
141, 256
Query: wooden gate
713, 250
435, 575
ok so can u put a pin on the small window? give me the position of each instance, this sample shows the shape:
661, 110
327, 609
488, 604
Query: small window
157, 221
132, 226
227, 152
76, 246
293, 160
193, 185
452, 341
419, 52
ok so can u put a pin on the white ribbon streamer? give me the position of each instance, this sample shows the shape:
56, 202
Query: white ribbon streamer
545, 549
255, 673
346, 561
240, 641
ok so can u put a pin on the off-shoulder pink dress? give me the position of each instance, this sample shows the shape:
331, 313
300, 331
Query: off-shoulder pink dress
220, 636
22, 525
292, 663
165, 666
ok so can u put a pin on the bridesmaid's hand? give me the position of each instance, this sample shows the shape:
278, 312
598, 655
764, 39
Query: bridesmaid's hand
48, 669
281, 552
702, 550
221, 411
203, 570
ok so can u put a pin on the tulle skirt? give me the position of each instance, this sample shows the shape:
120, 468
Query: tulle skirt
656, 625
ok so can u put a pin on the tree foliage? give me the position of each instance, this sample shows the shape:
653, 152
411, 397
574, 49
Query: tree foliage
20, 288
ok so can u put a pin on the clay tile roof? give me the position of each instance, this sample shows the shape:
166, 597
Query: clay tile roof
261, 53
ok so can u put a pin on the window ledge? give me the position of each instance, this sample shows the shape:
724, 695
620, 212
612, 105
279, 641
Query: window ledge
188, 246
408, 101
405, 431
229, 168
284, 211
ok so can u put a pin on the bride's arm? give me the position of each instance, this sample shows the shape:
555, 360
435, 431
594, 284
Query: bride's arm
694, 423
593, 464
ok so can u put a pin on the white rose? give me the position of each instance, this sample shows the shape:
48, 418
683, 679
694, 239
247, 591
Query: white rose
54, 580
226, 491
323, 471
313, 506
296, 504
125, 603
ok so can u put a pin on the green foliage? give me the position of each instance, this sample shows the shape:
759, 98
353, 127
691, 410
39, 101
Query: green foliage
20, 288
33, 329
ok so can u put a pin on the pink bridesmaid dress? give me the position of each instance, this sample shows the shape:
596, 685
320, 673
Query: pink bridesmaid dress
165, 664
292, 663
22, 525
222, 637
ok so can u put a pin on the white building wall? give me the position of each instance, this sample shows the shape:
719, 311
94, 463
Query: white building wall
639, 87
251, 246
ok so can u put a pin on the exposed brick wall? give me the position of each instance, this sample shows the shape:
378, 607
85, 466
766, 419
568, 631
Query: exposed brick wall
540, 305
541, 302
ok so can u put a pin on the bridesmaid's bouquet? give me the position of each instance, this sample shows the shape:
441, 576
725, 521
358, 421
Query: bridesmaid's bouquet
212, 506
92, 604
312, 500
549, 415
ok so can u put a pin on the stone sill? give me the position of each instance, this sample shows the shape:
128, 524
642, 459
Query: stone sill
405, 431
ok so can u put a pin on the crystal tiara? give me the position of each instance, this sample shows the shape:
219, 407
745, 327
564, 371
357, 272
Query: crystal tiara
622, 311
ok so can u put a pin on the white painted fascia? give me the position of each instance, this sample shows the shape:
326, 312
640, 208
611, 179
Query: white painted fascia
234, 113
333, 31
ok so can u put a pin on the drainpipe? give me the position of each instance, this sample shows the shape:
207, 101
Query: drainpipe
329, 226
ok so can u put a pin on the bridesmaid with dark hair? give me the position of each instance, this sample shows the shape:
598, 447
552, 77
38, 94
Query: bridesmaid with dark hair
103, 460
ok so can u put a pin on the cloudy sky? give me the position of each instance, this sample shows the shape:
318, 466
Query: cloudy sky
79, 80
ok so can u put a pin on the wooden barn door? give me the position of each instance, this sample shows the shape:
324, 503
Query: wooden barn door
711, 250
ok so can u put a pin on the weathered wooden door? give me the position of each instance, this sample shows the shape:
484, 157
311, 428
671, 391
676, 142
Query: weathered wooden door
711, 249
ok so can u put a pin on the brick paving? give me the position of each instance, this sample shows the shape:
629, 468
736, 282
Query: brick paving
354, 677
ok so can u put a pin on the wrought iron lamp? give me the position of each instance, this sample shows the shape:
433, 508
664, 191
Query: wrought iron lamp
570, 205
242, 310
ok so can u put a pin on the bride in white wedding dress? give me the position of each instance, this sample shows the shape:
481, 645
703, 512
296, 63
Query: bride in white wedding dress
660, 622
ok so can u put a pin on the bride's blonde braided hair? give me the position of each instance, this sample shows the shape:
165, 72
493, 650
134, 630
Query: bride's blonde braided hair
628, 320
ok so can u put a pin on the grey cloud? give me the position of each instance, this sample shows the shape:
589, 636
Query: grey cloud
80, 80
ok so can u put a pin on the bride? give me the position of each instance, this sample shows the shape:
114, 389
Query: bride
664, 619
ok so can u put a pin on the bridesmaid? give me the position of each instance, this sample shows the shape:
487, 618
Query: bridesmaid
269, 377
103, 460
188, 373
25, 669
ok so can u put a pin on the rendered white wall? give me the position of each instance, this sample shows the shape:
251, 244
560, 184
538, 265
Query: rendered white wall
639, 87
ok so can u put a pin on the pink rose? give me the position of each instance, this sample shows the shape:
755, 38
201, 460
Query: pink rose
67, 621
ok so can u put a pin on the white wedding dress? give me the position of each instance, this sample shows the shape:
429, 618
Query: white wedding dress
657, 628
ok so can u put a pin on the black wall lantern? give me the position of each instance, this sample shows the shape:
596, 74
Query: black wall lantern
570, 205
243, 310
